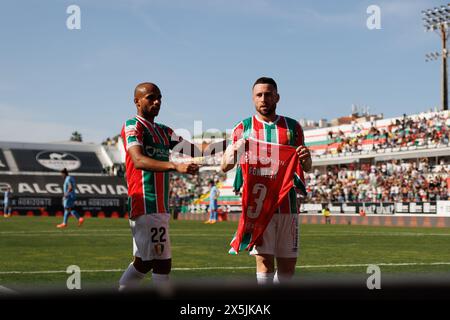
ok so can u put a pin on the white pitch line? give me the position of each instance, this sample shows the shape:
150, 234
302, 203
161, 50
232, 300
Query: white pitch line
246, 267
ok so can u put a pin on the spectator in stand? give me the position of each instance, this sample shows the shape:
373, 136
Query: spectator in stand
430, 130
388, 182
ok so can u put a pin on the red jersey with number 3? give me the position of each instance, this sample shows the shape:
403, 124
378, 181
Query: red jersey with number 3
284, 131
268, 172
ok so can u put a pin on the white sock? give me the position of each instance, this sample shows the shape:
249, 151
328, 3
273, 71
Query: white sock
131, 278
264, 278
159, 279
281, 278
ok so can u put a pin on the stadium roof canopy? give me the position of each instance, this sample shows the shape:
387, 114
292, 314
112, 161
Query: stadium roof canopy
51, 158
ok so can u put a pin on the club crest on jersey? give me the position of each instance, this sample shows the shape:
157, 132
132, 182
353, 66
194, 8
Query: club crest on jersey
159, 248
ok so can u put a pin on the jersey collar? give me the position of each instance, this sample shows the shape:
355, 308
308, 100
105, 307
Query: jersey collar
268, 123
145, 122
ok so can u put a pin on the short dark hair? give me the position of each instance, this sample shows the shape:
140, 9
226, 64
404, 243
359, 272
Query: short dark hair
266, 80
65, 171
211, 182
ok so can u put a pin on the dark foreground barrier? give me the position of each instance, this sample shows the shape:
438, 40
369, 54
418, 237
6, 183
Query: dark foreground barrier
335, 287
319, 298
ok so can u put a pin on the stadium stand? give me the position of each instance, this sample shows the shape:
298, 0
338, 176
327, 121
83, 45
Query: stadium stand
385, 166
415, 132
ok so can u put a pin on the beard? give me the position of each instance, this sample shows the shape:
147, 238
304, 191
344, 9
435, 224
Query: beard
266, 110
151, 112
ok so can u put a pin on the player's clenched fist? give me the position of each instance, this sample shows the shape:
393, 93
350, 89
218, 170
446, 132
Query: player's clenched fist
303, 153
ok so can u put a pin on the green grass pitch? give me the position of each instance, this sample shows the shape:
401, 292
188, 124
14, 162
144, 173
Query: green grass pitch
34, 254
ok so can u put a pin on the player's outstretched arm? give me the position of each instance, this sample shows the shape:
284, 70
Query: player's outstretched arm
231, 155
142, 162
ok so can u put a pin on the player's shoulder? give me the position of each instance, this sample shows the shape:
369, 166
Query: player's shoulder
292, 122
131, 122
243, 123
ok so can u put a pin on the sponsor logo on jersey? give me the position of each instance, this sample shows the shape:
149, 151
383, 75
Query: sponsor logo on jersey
157, 152
57, 161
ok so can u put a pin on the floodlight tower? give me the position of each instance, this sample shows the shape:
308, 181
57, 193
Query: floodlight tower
438, 19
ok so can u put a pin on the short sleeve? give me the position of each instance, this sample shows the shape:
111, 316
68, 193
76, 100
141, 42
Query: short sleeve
238, 133
132, 134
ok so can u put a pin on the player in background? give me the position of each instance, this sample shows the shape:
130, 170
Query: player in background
280, 239
69, 199
7, 203
147, 146
213, 207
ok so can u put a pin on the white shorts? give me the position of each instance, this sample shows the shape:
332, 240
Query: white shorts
280, 238
151, 236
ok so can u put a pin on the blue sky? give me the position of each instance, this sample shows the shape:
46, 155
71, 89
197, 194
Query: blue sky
205, 56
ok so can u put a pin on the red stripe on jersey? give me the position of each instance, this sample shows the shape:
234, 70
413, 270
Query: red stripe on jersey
150, 128
282, 129
283, 138
163, 135
154, 134
238, 132
159, 192
140, 135
131, 132
137, 192
134, 182
258, 129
